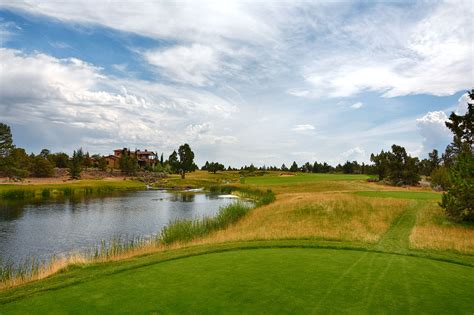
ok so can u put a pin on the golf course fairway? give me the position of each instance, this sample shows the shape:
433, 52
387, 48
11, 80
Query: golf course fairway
262, 280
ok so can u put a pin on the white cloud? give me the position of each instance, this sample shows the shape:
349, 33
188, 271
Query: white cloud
381, 48
434, 132
298, 92
187, 20
353, 154
432, 55
194, 64
462, 104
303, 128
7, 31
357, 105
69, 93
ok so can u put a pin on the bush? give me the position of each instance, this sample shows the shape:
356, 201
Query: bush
440, 178
41, 167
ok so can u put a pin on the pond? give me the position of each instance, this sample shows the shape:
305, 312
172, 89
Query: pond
44, 229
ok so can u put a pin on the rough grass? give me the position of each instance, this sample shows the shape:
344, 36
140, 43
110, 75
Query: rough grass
434, 231
332, 216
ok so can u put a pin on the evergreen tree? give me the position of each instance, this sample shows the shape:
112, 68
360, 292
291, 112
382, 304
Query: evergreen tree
75, 165
128, 163
294, 167
6, 140
458, 201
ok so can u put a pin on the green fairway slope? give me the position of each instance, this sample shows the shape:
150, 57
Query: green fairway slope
273, 280
298, 178
418, 195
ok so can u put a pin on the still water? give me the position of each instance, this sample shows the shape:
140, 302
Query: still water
44, 229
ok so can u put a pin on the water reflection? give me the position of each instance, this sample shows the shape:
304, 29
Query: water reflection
41, 229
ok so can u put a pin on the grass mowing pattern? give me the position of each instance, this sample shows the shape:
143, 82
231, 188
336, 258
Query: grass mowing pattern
284, 280
187, 230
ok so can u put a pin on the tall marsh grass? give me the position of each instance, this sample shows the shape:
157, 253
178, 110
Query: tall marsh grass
30, 192
186, 230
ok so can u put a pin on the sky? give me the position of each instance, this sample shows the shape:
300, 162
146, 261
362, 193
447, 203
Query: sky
262, 82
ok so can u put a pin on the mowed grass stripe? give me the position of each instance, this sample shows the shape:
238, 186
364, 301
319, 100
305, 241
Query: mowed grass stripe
418, 195
298, 178
269, 281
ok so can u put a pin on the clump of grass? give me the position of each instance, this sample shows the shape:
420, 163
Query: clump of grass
117, 246
17, 194
22, 271
186, 230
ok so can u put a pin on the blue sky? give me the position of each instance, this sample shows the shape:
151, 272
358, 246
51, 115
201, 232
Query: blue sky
241, 82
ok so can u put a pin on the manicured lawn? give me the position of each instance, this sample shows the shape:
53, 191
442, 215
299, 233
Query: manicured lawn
419, 195
298, 178
262, 281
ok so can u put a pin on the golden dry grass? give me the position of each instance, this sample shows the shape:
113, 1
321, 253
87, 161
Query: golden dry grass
329, 216
434, 231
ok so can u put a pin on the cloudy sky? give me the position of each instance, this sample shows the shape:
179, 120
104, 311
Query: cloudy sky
242, 82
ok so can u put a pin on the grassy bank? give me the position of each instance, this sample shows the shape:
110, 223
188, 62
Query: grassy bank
70, 188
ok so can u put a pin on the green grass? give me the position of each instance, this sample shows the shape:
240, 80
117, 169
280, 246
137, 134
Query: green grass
418, 195
254, 281
46, 191
276, 179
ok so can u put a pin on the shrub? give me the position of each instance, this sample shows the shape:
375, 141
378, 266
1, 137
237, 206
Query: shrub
440, 178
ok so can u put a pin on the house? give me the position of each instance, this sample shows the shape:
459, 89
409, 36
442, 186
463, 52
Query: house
144, 158
112, 162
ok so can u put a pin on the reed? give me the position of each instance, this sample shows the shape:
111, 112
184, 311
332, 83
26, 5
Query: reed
49, 191
186, 230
